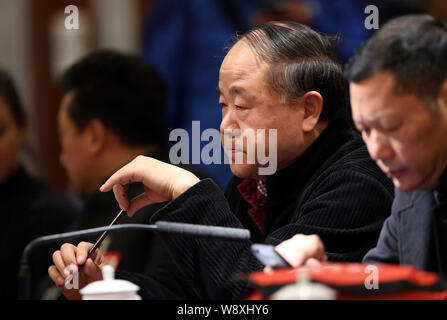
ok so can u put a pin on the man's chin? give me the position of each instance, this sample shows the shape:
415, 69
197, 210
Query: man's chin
409, 185
402, 186
244, 171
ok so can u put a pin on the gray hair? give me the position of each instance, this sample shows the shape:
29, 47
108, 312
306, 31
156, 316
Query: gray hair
300, 60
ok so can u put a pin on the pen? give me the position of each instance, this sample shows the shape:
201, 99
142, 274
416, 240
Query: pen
101, 238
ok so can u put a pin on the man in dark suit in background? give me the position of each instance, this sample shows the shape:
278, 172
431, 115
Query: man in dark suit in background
112, 110
30, 208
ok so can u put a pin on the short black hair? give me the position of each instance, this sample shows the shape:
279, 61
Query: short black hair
413, 48
127, 95
8, 92
301, 60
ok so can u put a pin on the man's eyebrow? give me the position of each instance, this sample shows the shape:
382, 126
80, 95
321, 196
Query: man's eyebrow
233, 91
237, 91
374, 122
364, 122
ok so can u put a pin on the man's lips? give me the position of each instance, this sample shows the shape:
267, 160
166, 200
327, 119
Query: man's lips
394, 173
228, 150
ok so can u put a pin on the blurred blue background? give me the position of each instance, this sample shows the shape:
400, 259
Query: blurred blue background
185, 40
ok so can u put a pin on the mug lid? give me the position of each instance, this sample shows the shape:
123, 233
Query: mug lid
109, 284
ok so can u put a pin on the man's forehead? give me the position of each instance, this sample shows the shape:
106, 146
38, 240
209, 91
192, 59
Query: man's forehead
241, 70
241, 60
372, 92
374, 108
370, 86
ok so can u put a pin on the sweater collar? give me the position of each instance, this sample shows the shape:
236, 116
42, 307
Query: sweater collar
286, 182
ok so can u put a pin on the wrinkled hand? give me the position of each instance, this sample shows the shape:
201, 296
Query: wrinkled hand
302, 250
162, 182
67, 260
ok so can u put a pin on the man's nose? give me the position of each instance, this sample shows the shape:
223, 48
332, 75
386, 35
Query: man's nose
229, 121
379, 147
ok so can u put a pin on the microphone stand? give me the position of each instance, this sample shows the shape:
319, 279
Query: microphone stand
183, 229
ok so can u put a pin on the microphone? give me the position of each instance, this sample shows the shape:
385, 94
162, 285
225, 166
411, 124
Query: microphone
187, 229
180, 229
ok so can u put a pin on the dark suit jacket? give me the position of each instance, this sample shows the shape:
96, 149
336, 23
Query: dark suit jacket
30, 209
333, 189
415, 233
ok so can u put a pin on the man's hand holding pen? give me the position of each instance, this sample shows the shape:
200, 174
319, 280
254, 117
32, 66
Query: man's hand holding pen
67, 261
162, 182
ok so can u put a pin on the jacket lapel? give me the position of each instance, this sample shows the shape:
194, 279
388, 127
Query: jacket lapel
416, 229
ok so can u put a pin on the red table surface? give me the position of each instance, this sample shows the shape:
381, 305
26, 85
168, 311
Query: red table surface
355, 274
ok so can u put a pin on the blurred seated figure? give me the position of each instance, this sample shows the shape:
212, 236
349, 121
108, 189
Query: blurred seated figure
112, 111
29, 207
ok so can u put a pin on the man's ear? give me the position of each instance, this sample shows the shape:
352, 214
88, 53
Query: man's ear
313, 106
96, 136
